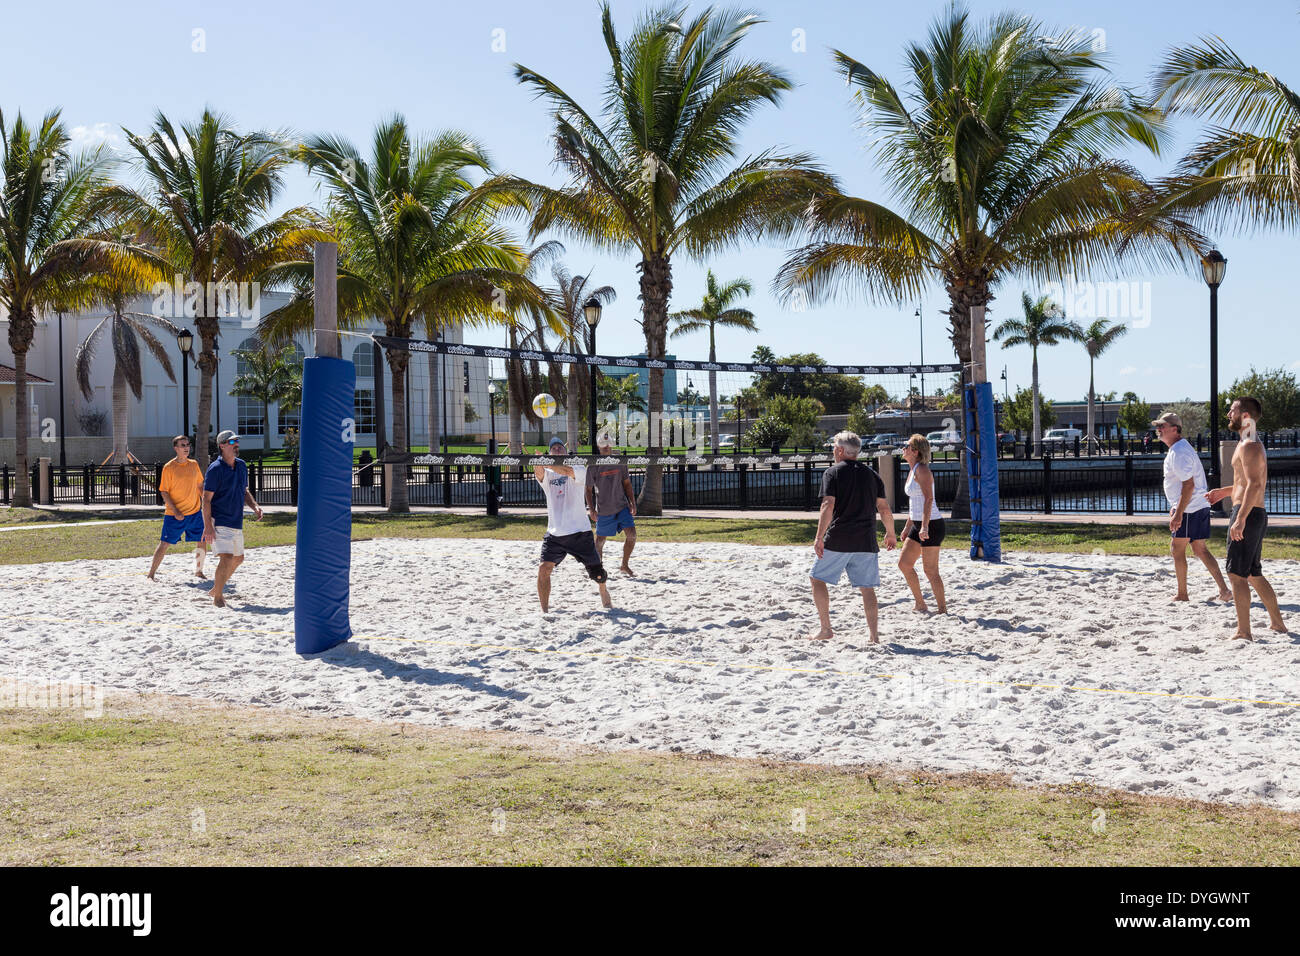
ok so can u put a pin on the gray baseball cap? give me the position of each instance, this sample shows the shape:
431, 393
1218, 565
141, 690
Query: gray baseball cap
226, 437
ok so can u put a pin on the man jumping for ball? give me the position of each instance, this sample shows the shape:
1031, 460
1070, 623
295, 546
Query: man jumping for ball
568, 529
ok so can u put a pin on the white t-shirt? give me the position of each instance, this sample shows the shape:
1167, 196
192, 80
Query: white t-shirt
1181, 463
566, 507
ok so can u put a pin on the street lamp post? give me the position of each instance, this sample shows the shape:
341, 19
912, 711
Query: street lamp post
1213, 267
493, 502
185, 339
591, 309
921, 319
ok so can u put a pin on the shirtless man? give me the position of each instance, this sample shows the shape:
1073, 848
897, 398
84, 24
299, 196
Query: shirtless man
1249, 520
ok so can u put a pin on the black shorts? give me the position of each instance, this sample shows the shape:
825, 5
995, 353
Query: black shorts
936, 533
580, 544
1244, 555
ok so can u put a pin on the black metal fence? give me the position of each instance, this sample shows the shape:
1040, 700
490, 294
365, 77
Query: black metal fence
1128, 485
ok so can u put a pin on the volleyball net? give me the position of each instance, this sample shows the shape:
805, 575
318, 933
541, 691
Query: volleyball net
470, 401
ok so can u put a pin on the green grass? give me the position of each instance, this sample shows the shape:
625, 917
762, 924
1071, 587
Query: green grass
139, 538
164, 781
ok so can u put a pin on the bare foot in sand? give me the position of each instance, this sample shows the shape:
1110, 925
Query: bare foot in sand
1242, 637
626, 570
1225, 596
822, 635
604, 597
150, 577
1279, 627
920, 606
1182, 596
218, 601
199, 574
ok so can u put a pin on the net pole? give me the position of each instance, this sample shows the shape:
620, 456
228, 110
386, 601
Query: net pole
323, 547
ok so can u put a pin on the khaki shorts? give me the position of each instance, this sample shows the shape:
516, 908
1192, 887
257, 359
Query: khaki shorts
228, 541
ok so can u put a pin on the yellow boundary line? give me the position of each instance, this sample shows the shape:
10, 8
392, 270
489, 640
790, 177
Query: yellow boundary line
723, 665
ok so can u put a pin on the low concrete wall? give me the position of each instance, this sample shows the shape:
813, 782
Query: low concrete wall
149, 450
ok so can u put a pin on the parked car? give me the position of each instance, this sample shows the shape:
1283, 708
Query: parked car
884, 441
1062, 437
1007, 439
943, 440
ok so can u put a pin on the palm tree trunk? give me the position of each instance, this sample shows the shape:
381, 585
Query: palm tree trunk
23, 480
398, 497
577, 395
1038, 427
656, 288
1092, 415
713, 393
208, 330
120, 418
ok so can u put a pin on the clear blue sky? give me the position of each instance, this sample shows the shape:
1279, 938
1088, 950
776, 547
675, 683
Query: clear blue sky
329, 66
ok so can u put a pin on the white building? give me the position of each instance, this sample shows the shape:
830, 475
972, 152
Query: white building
156, 417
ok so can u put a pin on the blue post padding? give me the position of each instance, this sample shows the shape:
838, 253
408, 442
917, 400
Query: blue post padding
982, 473
324, 549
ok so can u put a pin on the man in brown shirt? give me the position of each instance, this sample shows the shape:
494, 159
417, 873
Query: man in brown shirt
611, 503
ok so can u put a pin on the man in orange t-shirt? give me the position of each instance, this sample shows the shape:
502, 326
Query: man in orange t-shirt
181, 488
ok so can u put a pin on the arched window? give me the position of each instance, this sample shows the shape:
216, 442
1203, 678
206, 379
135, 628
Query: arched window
250, 409
363, 406
363, 357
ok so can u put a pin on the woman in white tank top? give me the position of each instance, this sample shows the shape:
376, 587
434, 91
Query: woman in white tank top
924, 531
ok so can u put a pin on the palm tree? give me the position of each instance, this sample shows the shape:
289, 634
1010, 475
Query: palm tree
49, 201
415, 245
270, 375
133, 269
1043, 324
653, 172
1002, 153
526, 328
1097, 338
207, 200
1247, 168
714, 311
571, 293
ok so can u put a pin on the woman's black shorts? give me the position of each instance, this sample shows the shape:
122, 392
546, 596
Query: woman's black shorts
936, 533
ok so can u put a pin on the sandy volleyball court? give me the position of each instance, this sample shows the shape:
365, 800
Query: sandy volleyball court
1051, 667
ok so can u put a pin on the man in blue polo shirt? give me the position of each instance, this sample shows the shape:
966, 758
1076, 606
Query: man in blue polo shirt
225, 491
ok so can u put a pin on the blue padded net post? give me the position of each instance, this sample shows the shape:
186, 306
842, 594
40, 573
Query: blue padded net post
982, 473
324, 547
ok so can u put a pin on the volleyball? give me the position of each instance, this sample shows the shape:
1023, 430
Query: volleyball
544, 405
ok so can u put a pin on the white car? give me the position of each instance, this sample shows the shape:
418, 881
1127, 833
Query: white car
943, 440
1062, 437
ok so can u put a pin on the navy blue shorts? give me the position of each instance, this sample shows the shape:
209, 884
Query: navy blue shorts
1195, 526
191, 526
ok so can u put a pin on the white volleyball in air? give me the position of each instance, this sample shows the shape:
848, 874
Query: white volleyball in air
544, 405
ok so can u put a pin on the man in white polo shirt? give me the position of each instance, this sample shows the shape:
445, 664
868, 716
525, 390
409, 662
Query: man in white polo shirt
1189, 510
568, 529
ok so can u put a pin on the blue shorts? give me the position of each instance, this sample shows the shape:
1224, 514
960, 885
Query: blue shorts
863, 568
191, 525
609, 525
1196, 525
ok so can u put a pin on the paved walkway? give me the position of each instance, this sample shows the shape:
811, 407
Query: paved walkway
116, 513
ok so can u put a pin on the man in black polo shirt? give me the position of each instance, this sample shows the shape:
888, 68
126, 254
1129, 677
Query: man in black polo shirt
225, 492
852, 494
